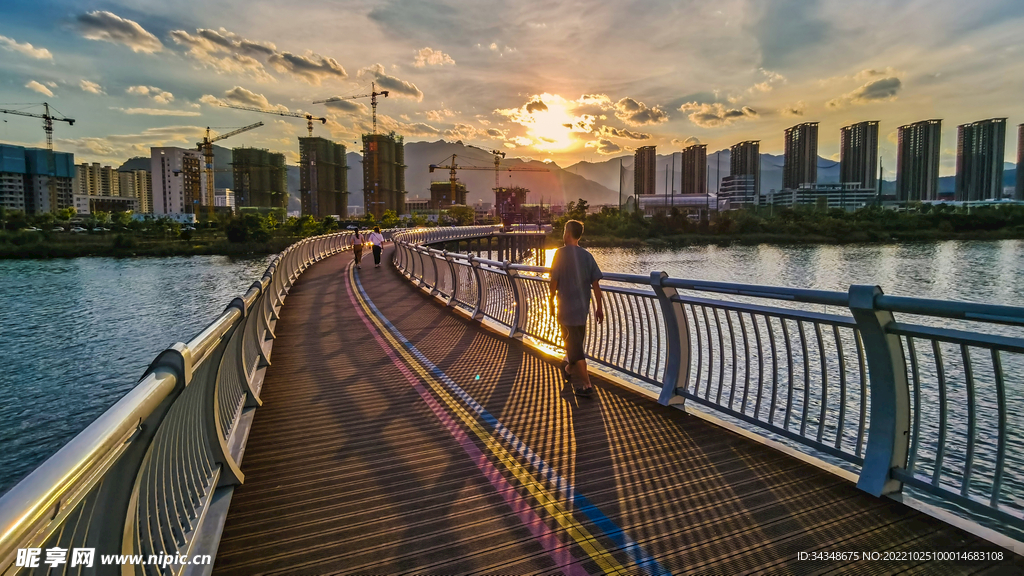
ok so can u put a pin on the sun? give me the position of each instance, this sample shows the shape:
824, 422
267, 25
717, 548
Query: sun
550, 121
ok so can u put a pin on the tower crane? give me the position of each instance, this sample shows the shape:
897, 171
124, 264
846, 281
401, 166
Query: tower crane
48, 127
453, 166
372, 96
309, 117
206, 147
47, 121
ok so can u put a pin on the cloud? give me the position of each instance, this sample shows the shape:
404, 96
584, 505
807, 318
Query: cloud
621, 133
464, 132
797, 109
686, 143
637, 113
875, 91
348, 107
495, 133
33, 85
406, 129
158, 95
108, 27
242, 97
430, 57
157, 112
121, 146
771, 78
439, 115
716, 114
604, 146
311, 67
226, 52
602, 101
396, 86
26, 49
535, 106
91, 87
520, 141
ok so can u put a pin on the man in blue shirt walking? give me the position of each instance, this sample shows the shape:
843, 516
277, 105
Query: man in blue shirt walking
574, 273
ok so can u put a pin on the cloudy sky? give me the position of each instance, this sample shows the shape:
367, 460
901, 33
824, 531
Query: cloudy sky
565, 81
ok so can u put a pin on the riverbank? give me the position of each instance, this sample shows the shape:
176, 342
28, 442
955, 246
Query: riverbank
127, 246
682, 240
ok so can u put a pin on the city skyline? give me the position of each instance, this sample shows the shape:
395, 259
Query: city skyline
539, 81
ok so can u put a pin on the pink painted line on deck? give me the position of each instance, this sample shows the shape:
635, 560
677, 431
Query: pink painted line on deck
544, 535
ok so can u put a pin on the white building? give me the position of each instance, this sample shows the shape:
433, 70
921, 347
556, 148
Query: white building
139, 185
224, 197
178, 183
95, 180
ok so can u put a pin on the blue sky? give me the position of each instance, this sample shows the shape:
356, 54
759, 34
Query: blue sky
561, 80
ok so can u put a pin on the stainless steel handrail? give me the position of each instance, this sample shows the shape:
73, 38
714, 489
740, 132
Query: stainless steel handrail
141, 479
848, 384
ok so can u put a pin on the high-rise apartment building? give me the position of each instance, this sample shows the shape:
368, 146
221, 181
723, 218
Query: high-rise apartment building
645, 167
139, 185
383, 173
858, 154
178, 182
36, 181
743, 184
694, 166
323, 180
261, 180
95, 180
1018, 192
917, 161
442, 196
980, 153
801, 162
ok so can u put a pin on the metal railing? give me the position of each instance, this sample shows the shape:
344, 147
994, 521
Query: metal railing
924, 400
153, 475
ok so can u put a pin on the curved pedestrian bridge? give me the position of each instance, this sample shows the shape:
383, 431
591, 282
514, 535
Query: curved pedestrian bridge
412, 419
396, 436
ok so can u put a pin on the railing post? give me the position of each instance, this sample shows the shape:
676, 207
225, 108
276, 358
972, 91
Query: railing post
889, 432
677, 360
518, 328
437, 279
481, 294
455, 279
421, 252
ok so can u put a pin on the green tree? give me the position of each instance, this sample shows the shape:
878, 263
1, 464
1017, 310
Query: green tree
389, 219
66, 214
461, 215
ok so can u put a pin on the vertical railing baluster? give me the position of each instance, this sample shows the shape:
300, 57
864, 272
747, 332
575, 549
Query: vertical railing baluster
940, 377
789, 383
972, 426
824, 381
775, 369
746, 363
700, 347
915, 438
807, 377
997, 482
841, 425
888, 438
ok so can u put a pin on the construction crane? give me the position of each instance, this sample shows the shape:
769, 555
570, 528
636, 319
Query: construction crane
372, 96
453, 166
51, 163
309, 117
206, 147
47, 121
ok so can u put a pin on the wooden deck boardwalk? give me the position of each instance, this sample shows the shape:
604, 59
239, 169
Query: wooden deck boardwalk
399, 437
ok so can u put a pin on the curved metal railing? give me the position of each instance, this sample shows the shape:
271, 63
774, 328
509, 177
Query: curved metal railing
926, 400
152, 476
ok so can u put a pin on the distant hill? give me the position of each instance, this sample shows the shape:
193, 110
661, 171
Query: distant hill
556, 186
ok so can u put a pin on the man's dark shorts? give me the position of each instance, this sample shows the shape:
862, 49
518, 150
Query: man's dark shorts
574, 336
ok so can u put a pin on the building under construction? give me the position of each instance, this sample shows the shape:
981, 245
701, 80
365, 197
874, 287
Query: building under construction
323, 178
260, 178
508, 201
645, 164
442, 196
384, 174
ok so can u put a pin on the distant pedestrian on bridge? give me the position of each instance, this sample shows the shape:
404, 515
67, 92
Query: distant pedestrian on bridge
377, 239
357, 247
574, 273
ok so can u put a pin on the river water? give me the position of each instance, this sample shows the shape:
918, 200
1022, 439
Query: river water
78, 334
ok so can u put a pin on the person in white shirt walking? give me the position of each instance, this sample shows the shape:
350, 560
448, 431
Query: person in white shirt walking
377, 239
